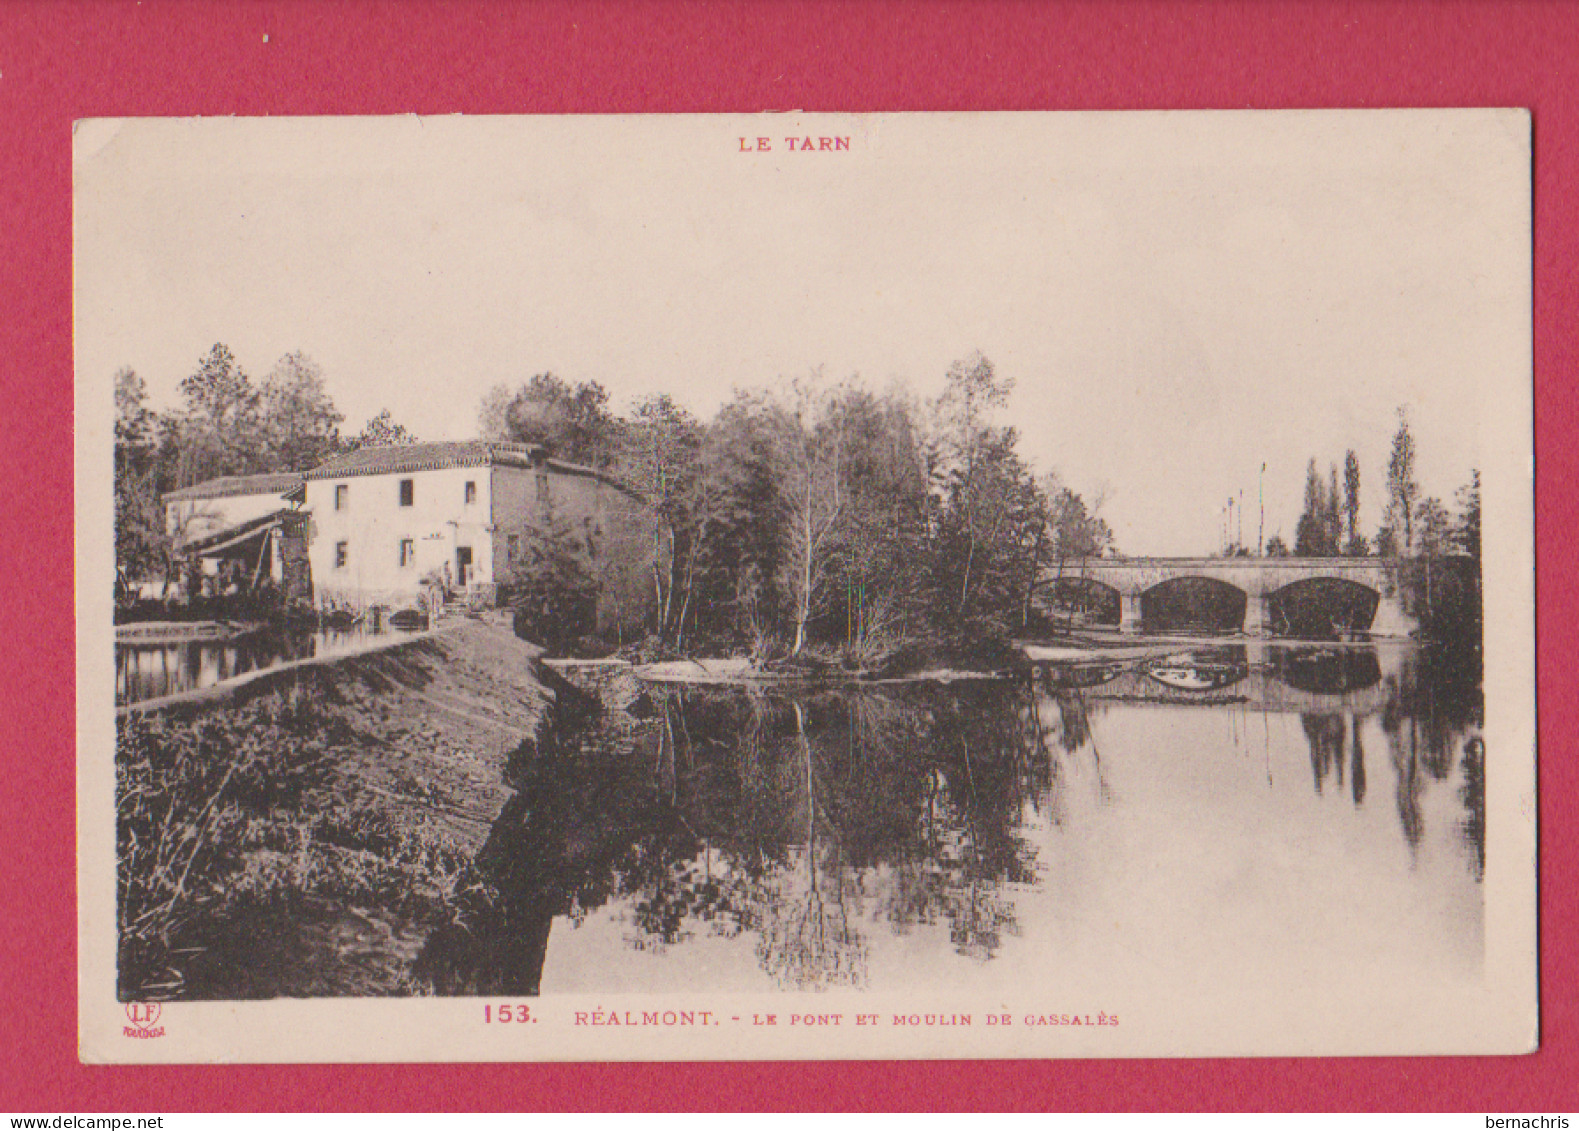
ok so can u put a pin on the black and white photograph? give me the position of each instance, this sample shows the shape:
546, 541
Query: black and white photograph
798, 586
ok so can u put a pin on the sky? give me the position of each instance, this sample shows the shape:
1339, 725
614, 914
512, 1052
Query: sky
1178, 298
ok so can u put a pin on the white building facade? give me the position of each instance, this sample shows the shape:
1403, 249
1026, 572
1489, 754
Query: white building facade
390, 525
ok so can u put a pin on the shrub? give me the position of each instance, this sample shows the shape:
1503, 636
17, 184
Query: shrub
552, 591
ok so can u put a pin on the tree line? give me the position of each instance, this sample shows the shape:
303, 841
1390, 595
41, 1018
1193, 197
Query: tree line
821, 516
1413, 525
226, 424
1437, 548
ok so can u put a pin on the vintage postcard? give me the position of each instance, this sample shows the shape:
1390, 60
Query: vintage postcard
805, 586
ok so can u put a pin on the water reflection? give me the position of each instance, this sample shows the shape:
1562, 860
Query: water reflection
1327, 671
884, 838
1200, 672
150, 670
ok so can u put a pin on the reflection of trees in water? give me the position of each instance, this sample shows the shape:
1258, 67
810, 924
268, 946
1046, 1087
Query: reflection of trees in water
776, 815
1071, 726
1060, 728
796, 818
1325, 671
915, 793
1408, 786
1423, 715
956, 777
1327, 735
1357, 770
1428, 715
805, 939
1473, 794
1424, 720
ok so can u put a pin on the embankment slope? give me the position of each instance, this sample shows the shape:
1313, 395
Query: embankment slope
303, 834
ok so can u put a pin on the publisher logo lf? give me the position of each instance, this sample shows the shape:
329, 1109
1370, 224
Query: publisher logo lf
142, 1014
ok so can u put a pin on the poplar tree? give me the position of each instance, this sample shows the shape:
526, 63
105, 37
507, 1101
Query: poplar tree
1402, 490
1355, 545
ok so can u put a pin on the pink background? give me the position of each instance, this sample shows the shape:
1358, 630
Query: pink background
62, 61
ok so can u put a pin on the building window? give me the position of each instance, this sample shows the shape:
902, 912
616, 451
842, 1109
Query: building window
408, 552
341, 496
542, 486
512, 546
471, 491
342, 550
407, 492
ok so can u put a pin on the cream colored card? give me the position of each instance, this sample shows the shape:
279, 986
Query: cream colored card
1061, 576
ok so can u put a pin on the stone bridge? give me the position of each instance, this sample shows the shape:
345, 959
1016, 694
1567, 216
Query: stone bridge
1259, 579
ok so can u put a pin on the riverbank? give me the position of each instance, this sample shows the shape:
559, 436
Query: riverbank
302, 832
616, 676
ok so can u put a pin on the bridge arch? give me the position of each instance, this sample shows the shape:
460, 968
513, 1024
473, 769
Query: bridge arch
1080, 600
1192, 603
1321, 608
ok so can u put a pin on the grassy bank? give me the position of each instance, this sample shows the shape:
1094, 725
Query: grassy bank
305, 835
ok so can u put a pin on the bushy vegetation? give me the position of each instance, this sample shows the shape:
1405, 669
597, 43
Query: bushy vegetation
552, 589
232, 814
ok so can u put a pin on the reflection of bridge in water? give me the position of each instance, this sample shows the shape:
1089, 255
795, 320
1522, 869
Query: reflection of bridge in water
1261, 581
1261, 677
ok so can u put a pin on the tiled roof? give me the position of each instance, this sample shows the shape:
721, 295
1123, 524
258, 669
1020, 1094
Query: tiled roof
241, 530
426, 457
227, 485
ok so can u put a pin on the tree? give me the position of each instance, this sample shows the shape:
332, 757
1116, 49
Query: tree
989, 513
1355, 545
1069, 532
884, 527
1435, 539
571, 421
140, 541
134, 422
219, 420
658, 460
1434, 527
493, 415
1313, 535
1332, 508
300, 424
732, 591
1276, 547
552, 591
381, 431
1467, 531
808, 447
1402, 490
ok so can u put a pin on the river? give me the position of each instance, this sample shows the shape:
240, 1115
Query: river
151, 669
1259, 811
